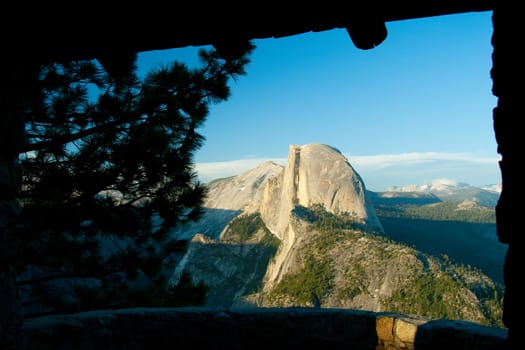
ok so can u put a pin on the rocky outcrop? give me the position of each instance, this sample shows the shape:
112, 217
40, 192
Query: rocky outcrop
229, 270
316, 174
229, 197
242, 192
352, 269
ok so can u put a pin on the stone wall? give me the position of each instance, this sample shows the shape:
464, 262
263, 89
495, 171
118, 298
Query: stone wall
289, 328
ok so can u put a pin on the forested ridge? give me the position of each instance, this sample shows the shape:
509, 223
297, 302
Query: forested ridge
450, 211
435, 286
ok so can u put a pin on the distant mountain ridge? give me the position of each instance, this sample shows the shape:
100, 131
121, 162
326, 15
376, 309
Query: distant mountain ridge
308, 234
451, 191
443, 185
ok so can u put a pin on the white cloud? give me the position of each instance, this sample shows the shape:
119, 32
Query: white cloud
382, 171
417, 158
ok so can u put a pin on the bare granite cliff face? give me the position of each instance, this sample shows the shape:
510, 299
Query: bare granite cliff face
230, 197
242, 192
316, 174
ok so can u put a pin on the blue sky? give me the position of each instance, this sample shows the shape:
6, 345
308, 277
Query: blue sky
417, 108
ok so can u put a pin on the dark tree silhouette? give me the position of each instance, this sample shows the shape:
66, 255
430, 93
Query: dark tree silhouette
108, 173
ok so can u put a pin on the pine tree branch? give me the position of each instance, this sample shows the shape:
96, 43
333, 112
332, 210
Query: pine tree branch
61, 140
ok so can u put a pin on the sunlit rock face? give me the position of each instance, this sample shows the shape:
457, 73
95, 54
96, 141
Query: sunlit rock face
316, 174
228, 198
242, 192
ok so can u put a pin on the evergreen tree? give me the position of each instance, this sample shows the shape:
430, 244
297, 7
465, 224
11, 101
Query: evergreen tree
108, 173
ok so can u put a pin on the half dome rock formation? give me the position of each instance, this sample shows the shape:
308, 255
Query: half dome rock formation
316, 174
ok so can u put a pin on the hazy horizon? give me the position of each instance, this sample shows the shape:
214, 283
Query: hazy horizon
376, 171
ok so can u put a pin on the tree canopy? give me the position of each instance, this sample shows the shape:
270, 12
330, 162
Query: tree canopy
107, 174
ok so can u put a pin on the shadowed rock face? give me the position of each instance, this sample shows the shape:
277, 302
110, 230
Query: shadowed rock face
316, 174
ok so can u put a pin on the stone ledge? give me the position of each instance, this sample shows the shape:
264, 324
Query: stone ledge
156, 328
